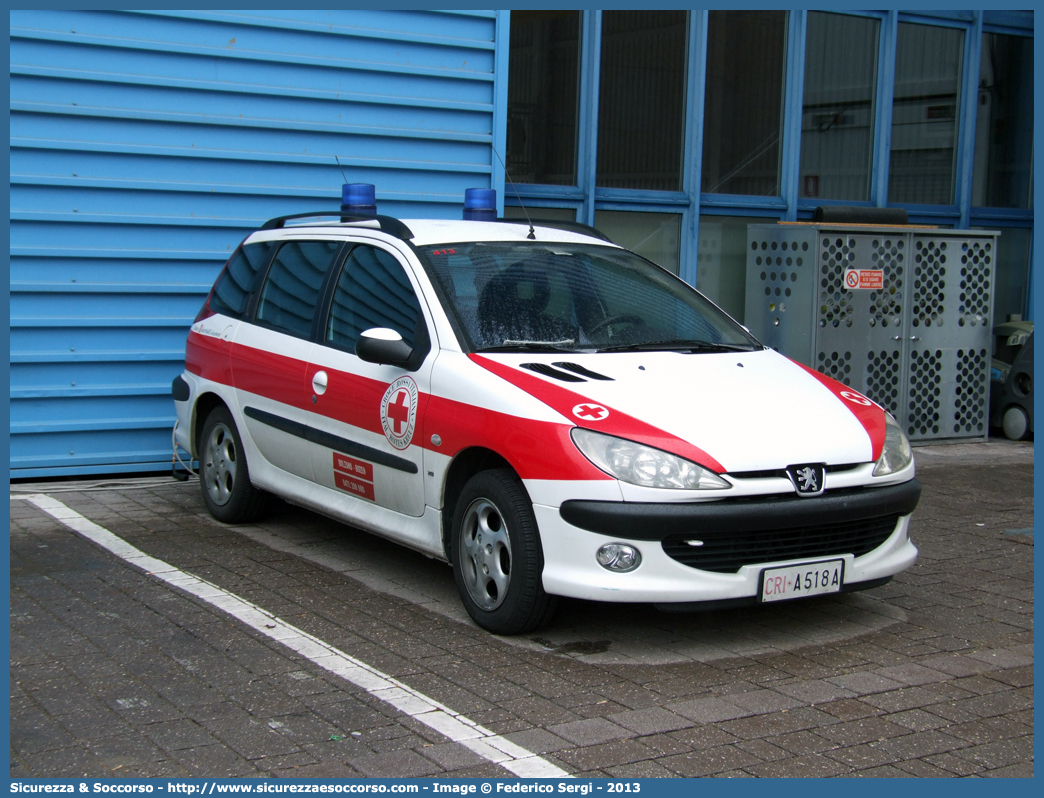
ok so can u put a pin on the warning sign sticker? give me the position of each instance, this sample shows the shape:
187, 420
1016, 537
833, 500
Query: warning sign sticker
870, 279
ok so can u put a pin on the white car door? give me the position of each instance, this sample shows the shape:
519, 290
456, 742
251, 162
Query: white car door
369, 417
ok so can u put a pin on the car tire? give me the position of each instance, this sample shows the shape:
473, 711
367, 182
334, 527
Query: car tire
223, 474
1015, 423
496, 555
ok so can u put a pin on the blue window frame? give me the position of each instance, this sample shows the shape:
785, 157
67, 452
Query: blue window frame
956, 211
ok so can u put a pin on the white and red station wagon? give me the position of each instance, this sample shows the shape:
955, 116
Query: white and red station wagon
551, 413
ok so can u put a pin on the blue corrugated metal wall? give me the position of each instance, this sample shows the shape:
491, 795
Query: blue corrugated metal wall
145, 146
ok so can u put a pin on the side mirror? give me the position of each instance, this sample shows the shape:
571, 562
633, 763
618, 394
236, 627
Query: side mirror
383, 346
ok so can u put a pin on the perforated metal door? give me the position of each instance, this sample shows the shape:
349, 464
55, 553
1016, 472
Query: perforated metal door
860, 337
949, 337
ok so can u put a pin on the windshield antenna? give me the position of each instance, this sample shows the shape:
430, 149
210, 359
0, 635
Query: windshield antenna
532, 231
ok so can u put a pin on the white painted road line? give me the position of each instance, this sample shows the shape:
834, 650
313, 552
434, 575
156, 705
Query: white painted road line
418, 706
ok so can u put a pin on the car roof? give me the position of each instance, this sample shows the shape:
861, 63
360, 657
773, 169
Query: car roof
427, 232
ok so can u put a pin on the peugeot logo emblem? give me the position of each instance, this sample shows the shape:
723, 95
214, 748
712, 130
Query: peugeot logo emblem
807, 479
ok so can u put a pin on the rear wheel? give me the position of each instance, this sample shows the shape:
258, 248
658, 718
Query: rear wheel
496, 555
223, 474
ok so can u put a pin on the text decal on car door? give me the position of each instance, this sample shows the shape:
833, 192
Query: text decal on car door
353, 475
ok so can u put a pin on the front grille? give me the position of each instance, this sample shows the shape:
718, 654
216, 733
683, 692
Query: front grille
727, 552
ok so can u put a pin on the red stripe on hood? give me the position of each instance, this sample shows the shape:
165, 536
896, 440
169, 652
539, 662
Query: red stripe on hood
870, 414
616, 423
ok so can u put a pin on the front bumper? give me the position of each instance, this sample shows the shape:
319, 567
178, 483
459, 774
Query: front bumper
715, 551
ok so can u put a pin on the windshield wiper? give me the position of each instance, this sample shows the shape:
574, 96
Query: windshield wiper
568, 345
680, 345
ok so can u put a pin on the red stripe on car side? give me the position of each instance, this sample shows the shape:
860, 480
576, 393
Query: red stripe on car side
617, 423
536, 449
871, 415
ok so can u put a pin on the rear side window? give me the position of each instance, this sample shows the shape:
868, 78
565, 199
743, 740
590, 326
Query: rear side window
232, 289
372, 291
291, 290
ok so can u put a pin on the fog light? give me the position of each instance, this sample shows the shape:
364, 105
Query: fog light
619, 557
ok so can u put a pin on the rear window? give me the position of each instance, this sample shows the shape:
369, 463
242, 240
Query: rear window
232, 289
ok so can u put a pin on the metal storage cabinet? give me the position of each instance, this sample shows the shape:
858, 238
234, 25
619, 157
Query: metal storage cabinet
915, 337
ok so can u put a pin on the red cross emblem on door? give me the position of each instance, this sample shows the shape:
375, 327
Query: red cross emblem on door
590, 412
399, 412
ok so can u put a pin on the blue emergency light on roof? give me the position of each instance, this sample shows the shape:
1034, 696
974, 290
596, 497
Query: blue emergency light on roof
359, 199
480, 205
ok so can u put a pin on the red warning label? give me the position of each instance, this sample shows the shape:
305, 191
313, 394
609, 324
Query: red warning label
872, 279
357, 468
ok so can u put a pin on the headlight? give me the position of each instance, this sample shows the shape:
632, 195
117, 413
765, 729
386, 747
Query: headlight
897, 453
643, 465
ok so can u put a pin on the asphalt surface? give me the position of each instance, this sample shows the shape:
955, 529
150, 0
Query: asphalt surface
117, 673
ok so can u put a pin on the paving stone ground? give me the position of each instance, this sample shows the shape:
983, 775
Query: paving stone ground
116, 674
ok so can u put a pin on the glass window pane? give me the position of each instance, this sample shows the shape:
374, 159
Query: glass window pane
1012, 274
721, 261
924, 114
743, 111
373, 291
837, 121
656, 236
641, 99
558, 214
543, 96
570, 297
1004, 128
291, 289
232, 290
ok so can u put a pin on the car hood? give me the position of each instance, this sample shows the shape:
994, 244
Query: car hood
731, 412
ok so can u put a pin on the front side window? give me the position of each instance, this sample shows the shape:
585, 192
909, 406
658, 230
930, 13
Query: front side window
574, 297
373, 291
291, 290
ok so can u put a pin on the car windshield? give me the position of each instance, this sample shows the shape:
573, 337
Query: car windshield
574, 297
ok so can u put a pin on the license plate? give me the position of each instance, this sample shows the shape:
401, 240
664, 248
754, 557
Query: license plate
807, 579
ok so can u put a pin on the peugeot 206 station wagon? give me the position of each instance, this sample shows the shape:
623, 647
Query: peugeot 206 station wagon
552, 414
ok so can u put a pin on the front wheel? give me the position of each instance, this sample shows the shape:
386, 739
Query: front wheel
496, 555
223, 474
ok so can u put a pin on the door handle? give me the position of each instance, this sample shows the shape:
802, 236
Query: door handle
319, 382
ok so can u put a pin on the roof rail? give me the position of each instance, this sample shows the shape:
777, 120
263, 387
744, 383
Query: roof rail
388, 224
559, 224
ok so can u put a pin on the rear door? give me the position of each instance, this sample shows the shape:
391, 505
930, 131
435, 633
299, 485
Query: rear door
270, 355
369, 417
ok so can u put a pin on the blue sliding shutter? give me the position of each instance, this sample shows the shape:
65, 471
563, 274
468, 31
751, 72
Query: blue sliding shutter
145, 146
